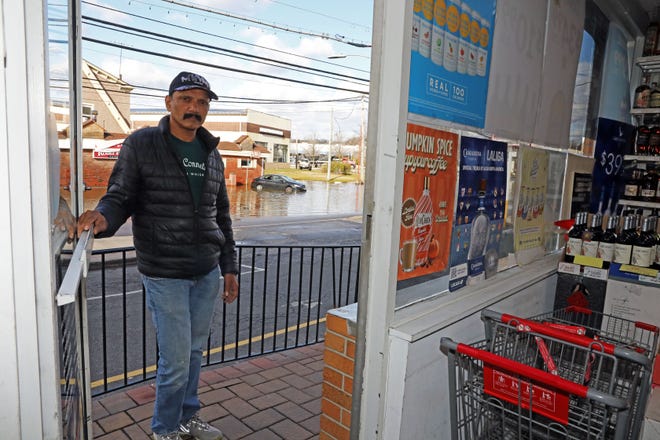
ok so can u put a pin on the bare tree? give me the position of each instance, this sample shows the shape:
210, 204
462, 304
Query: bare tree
338, 143
312, 150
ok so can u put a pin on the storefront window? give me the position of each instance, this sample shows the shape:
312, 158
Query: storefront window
586, 95
280, 152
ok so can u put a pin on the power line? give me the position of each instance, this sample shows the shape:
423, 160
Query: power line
223, 98
107, 8
368, 28
216, 66
326, 36
208, 47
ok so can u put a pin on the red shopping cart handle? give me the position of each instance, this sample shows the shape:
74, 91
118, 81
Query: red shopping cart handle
525, 371
631, 354
538, 327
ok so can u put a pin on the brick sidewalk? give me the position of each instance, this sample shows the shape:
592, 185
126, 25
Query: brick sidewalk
275, 396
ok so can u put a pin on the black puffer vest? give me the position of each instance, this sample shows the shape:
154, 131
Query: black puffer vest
173, 239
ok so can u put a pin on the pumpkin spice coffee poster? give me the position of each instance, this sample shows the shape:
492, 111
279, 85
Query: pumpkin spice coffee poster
429, 187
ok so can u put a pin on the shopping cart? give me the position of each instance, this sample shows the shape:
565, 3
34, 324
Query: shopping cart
637, 335
565, 350
495, 398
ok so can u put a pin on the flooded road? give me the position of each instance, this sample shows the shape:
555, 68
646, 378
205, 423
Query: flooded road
320, 198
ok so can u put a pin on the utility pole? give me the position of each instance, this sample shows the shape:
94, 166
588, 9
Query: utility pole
332, 129
361, 152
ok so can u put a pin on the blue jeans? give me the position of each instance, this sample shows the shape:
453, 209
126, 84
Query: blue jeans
181, 310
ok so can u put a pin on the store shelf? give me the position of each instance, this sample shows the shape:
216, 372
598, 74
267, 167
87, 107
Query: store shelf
639, 203
631, 157
645, 111
649, 63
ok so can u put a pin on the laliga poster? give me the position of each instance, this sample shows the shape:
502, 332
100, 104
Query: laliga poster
429, 186
480, 211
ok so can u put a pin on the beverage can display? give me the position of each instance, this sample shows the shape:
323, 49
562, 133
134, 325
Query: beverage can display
416, 23
450, 58
482, 52
438, 32
463, 38
426, 28
473, 48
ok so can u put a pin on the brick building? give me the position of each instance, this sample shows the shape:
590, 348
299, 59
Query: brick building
244, 159
268, 131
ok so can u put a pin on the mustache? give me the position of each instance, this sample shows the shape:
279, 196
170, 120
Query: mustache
192, 115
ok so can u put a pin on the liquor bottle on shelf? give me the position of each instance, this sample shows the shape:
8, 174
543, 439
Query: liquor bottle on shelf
632, 184
654, 96
642, 95
574, 243
642, 140
625, 240
654, 139
656, 257
643, 248
648, 186
592, 235
607, 241
650, 39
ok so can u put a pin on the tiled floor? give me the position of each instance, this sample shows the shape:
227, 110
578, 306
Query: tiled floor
275, 396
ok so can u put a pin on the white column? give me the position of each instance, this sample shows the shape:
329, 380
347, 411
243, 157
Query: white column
29, 363
388, 99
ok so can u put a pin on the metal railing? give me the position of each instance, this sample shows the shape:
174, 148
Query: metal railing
285, 293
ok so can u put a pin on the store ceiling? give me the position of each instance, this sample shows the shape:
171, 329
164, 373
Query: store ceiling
650, 6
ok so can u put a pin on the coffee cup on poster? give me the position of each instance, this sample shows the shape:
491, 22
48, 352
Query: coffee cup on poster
407, 255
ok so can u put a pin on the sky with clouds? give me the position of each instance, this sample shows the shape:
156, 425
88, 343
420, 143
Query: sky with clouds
247, 49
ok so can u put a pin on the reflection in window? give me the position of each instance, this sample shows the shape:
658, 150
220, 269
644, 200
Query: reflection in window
581, 93
586, 95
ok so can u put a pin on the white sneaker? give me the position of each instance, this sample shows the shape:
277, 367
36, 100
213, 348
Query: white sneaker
199, 429
169, 436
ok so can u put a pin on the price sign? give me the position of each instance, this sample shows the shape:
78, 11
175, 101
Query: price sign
613, 141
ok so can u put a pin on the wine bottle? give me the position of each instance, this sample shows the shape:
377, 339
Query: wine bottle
648, 186
644, 246
625, 241
591, 236
631, 187
650, 39
574, 243
642, 140
607, 241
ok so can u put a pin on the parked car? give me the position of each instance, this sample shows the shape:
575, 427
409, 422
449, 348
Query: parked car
304, 164
277, 182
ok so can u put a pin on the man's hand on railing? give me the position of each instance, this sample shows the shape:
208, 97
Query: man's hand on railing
230, 292
64, 221
92, 219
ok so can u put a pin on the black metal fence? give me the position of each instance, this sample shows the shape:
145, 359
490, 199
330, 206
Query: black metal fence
285, 293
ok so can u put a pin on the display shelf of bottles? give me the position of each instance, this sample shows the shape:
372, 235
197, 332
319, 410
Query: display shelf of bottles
641, 158
645, 111
639, 203
648, 64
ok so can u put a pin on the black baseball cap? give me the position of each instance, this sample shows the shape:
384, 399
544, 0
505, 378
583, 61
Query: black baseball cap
188, 80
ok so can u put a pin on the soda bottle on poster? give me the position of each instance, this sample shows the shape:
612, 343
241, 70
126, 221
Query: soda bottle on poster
423, 224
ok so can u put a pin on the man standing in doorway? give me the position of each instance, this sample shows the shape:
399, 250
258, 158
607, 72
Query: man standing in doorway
170, 180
